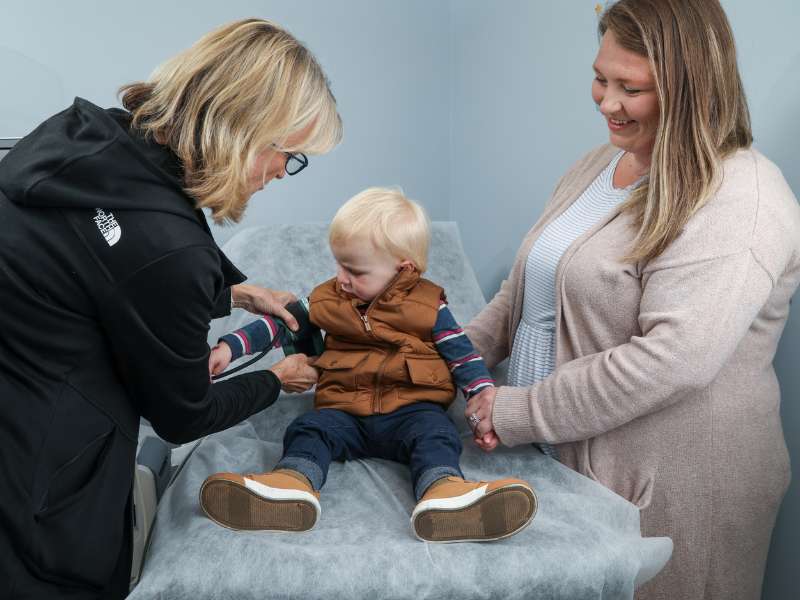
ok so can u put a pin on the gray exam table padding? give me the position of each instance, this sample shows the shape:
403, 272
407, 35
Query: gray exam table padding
584, 542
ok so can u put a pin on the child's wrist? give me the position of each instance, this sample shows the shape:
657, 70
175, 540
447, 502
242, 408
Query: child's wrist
485, 388
224, 344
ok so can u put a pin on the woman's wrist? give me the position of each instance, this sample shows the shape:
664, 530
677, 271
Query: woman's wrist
278, 370
240, 298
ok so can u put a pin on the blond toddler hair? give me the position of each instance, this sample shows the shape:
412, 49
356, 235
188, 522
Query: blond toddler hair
388, 219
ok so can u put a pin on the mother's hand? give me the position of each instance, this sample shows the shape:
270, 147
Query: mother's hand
296, 373
260, 300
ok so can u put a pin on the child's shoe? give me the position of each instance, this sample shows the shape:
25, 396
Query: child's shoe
279, 501
455, 510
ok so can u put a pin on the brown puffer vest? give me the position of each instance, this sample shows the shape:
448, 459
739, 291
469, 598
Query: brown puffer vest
384, 359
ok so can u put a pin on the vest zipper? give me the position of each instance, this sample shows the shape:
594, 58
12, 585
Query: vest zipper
376, 400
365, 318
376, 395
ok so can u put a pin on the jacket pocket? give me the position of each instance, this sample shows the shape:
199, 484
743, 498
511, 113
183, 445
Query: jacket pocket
81, 485
427, 372
71, 480
629, 482
340, 368
337, 360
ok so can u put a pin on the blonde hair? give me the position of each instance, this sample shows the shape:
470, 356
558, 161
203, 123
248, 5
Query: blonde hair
388, 219
703, 110
239, 90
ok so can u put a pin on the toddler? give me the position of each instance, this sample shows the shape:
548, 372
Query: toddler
392, 353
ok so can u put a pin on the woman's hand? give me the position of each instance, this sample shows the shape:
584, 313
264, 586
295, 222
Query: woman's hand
260, 300
296, 372
479, 416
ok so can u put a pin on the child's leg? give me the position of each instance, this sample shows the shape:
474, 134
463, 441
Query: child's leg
449, 508
316, 438
287, 498
422, 436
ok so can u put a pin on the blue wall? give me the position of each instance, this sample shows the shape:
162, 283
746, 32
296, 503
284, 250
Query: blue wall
475, 108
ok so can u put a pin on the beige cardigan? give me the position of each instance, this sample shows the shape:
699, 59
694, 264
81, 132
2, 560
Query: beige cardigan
664, 389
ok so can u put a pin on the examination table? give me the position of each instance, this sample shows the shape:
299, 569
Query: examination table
583, 543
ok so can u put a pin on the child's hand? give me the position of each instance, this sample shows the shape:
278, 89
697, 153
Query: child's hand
487, 442
219, 359
479, 411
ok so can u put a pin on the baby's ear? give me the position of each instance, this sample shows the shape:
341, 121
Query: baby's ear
406, 265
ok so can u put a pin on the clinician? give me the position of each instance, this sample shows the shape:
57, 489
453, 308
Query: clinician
109, 277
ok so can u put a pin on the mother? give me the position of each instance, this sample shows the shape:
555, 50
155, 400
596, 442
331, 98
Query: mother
109, 277
644, 308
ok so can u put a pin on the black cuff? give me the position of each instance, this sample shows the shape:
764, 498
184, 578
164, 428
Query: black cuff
308, 338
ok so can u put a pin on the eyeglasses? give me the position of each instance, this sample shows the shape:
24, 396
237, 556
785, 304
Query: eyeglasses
295, 162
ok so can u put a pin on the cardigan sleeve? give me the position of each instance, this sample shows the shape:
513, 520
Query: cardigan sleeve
693, 314
699, 300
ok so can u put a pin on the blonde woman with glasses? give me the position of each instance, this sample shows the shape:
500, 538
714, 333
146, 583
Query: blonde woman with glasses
643, 311
109, 277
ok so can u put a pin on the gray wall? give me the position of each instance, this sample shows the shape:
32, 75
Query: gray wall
475, 108
388, 63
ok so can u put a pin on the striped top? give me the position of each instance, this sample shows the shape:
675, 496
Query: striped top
534, 352
467, 367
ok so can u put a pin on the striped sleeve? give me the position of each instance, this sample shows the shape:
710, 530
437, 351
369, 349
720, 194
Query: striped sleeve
469, 371
254, 337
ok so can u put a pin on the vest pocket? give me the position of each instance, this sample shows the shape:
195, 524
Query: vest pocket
426, 371
340, 369
336, 360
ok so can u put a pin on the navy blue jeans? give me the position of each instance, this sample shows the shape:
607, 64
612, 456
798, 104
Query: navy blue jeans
420, 435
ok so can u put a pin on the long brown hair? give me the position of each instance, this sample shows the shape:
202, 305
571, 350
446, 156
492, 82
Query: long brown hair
703, 110
240, 89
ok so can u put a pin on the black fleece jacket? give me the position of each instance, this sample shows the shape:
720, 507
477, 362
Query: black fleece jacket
108, 280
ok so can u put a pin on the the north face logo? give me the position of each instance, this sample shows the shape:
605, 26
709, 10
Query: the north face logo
108, 226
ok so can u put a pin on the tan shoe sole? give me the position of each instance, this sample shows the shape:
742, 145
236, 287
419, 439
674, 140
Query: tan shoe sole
232, 505
495, 515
